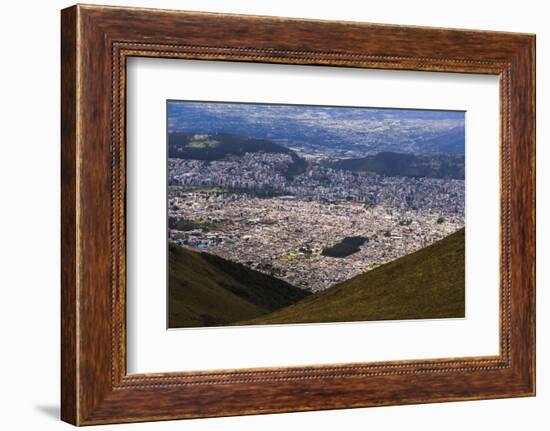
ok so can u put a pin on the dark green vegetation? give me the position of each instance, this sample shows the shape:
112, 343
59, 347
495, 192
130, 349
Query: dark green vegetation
346, 247
206, 290
216, 146
187, 225
426, 284
406, 165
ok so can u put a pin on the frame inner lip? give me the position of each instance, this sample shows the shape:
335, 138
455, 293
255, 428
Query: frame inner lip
124, 49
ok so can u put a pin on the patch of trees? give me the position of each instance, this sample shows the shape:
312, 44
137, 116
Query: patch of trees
346, 247
406, 165
229, 145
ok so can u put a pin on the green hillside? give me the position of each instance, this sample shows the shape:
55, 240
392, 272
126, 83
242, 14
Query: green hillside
216, 146
206, 290
426, 284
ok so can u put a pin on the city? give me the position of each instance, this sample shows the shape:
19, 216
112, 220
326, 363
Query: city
245, 210
284, 214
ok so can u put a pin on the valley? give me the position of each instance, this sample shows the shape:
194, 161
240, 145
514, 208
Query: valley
304, 214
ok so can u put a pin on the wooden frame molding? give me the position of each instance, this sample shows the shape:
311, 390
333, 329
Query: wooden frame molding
95, 43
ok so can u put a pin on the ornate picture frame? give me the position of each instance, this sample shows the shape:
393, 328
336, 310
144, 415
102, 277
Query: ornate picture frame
96, 41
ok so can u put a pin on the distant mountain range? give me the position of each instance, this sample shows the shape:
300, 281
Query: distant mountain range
206, 290
405, 165
359, 131
216, 146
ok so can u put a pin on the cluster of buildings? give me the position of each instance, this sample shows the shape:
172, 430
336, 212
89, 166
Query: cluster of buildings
247, 209
251, 171
284, 236
264, 173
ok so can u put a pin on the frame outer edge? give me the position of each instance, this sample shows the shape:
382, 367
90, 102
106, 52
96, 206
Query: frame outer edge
532, 101
533, 53
523, 217
531, 83
69, 196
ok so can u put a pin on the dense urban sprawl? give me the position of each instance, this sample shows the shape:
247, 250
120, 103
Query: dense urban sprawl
246, 209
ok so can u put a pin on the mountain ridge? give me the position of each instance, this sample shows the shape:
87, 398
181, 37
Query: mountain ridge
207, 290
393, 164
216, 146
426, 284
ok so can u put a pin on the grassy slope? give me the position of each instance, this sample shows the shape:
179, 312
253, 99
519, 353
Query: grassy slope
426, 284
205, 290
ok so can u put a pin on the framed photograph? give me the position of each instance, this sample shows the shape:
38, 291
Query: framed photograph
264, 215
312, 214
